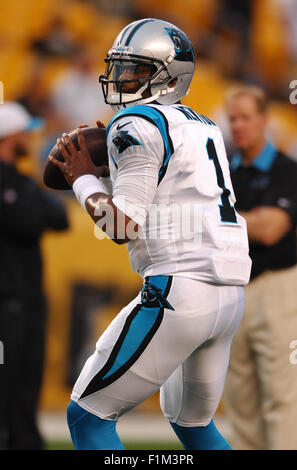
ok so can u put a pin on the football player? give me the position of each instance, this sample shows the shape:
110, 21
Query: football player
168, 170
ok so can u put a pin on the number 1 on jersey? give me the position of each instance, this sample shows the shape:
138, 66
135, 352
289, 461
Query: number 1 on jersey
227, 212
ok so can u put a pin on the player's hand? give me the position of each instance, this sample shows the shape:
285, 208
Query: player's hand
100, 124
76, 162
82, 126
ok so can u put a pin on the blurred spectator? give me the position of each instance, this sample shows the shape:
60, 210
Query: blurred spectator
35, 98
232, 44
57, 42
77, 95
261, 385
26, 212
116, 7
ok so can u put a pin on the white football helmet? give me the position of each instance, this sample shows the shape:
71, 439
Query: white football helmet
155, 43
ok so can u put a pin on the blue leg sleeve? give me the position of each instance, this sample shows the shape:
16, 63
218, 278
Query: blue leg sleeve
89, 432
201, 437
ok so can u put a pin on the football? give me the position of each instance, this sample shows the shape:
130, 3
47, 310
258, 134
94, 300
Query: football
96, 143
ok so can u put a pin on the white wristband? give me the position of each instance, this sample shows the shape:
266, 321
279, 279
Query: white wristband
106, 182
86, 185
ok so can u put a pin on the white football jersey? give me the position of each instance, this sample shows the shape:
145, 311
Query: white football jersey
170, 175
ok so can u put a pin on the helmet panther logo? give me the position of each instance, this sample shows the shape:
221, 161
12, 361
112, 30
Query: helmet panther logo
182, 45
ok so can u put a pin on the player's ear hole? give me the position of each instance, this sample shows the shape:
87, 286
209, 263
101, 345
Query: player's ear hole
172, 83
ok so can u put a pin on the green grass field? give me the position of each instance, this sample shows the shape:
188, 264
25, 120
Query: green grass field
146, 445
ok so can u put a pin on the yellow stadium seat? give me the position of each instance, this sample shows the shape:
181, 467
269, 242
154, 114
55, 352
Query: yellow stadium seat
268, 40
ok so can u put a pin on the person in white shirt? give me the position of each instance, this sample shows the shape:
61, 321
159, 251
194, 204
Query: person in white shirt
75, 95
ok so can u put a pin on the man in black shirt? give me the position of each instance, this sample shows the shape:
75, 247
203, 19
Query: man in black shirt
261, 385
26, 211
266, 193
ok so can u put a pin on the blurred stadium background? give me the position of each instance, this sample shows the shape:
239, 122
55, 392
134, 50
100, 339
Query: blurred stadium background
52, 52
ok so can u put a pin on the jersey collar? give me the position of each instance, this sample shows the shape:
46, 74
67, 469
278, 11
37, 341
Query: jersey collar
262, 162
